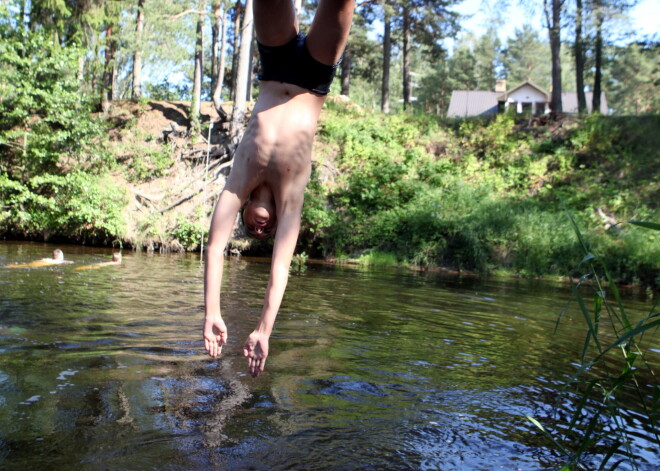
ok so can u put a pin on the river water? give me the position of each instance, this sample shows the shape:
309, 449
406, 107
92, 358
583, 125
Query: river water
103, 368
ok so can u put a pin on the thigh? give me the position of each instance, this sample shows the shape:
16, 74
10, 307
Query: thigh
274, 21
329, 31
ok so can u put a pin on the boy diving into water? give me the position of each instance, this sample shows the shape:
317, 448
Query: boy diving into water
273, 161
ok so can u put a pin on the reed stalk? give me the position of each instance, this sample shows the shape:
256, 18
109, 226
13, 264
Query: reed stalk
598, 420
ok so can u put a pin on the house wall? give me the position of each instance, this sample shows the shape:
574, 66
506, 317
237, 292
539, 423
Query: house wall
466, 103
526, 94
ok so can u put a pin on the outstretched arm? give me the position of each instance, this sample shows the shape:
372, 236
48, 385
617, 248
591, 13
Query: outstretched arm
256, 346
222, 223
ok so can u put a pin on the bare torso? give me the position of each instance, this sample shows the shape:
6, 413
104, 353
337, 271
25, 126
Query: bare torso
277, 146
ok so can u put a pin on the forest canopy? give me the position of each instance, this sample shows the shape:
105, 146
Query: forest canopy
401, 54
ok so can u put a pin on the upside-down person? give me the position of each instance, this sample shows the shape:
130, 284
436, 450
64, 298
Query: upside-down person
273, 160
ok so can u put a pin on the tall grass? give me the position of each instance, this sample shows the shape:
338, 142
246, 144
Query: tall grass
376, 258
598, 417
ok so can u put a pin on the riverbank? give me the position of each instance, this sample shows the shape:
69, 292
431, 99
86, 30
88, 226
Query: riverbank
464, 195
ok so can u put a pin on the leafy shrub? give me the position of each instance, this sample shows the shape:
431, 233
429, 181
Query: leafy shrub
77, 205
189, 233
488, 194
45, 120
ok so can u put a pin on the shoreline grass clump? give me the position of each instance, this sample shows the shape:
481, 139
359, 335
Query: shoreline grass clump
615, 374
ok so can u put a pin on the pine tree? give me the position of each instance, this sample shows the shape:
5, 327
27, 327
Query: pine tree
527, 58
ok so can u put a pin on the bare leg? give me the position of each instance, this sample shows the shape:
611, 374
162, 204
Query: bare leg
275, 21
328, 34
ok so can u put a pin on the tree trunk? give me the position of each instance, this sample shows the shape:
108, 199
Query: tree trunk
238, 112
598, 73
216, 29
220, 78
137, 55
108, 70
81, 70
579, 59
238, 9
555, 50
387, 52
21, 14
407, 93
346, 71
250, 81
195, 105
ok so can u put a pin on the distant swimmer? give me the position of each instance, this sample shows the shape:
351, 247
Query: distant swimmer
116, 260
57, 259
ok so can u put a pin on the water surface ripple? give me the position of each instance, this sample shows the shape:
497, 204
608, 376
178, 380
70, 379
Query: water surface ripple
369, 369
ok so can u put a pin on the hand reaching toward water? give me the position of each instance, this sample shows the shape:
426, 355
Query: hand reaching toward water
215, 335
255, 349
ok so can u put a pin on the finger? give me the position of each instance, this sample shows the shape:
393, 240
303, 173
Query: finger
206, 344
223, 337
212, 349
246, 351
255, 368
262, 365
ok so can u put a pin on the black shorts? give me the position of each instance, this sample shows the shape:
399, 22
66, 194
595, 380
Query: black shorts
292, 63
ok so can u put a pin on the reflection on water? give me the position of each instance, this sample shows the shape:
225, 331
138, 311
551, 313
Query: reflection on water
104, 369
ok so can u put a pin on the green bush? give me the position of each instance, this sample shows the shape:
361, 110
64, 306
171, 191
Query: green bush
78, 205
53, 156
484, 194
45, 121
189, 233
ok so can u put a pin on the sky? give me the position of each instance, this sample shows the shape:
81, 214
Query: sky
644, 18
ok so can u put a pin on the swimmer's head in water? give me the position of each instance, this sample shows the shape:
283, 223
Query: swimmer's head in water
116, 257
58, 254
258, 215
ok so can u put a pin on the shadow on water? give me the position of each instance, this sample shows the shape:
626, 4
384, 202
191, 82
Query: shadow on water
103, 369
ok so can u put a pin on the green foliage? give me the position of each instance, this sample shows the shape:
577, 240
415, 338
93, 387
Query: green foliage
634, 67
377, 259
527, 57
615, 368
45, 122
299, 262
51, 146
77, 205
189, 232
167, 92
146, 162
484, 194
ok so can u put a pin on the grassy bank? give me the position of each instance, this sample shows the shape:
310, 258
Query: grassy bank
483, 195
